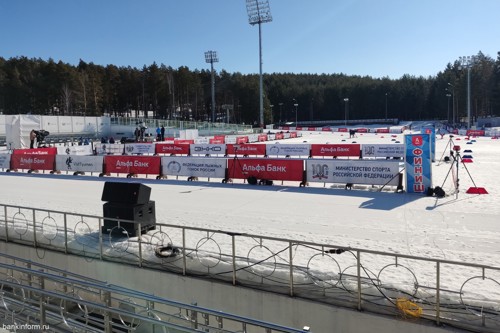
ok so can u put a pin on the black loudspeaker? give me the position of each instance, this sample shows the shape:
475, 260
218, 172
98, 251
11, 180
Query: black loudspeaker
439, 192
141, 213
129, 193
252, 180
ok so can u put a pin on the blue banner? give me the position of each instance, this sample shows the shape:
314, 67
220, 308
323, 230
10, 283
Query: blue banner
418, 163
432, 132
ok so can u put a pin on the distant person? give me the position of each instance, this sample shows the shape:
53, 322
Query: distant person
32, 138
162, 133
111, 140
137, 134
158, 133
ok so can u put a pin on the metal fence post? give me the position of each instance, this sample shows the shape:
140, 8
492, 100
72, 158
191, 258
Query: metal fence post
234, 259
358, 255
290, 254
438, 306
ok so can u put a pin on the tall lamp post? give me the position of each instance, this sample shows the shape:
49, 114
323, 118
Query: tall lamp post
453, 104
281, 109
259, 12
211, 57
296, 113
385, 107
346, 100
448, 116
468, 62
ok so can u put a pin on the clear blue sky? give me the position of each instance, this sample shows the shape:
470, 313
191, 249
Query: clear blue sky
356, 37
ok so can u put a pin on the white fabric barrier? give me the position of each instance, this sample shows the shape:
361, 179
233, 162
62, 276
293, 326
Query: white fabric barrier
75, 150
253, 138
72, 163
382, 172
203, 149
383, 150
231, 139
194, 166
139, 148
109, 148
288, 149
5, 161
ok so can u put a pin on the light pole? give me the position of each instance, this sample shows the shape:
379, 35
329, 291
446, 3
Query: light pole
211, 57
296, 113
385, 107
272, 116
259, 12
281, 108
468, 62
346, 100
453, 104
448, 117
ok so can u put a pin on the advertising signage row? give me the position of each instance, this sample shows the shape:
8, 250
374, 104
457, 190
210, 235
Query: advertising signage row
375, 172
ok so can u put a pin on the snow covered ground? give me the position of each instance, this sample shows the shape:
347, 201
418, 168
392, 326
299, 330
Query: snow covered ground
459, 227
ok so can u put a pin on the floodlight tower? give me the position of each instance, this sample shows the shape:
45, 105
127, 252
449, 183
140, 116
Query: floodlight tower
467, 62
211, 57
259, 12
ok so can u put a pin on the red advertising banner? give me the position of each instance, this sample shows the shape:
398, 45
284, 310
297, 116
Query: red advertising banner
33, 161
342, 129
311, 129
382, 130
216, 141
183, 142
475, 132
262, 137
36, 151
144, 165
256, 149
362, 130
326, 129
293, 134
241, 139
220, 137
351, 150
299, 128
285, 128
172, 148
269, 169
279, 136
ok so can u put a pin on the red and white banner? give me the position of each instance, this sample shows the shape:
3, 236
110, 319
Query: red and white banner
269, 169
356, 172
288, 149
183, 142
381, 130
72, 163
342, 129
139, 148
216, 141
241, 139
256, 149
362, 130
5, 161
262, 137
475, 132
383, 150
336, 150
194, 166
220, 137
211, 149
144, 165
36, 151
172, 148
109, 148
33, 162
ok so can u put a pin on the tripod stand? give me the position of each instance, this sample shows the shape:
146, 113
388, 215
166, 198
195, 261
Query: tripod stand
456, 158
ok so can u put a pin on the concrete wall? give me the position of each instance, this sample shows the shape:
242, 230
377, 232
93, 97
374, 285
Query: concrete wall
279, 309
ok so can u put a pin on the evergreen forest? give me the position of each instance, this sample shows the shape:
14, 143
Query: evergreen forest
55, 88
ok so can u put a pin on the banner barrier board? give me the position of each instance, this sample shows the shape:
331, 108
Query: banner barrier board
381, 130
109, 148
144, 165
288, 149
355, 172
250, 149
172, 148
36, 151
383, 150
33, 162
432, 135
75, 150
216, 141
271, 137
418, 163
139, 148
72, 163
183, 142
212, 149
194, 166
269, 169
475, 132
5, 161
350, 150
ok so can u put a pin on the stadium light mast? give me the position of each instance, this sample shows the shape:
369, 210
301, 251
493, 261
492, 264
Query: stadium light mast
211, 57
467, 62
259, 12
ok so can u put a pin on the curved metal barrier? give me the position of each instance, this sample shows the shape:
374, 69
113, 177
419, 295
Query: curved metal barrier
411, 287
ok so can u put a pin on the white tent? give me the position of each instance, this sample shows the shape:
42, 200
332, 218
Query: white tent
18, 128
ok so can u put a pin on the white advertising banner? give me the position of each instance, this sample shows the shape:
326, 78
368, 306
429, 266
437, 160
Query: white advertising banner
194, 166
139, 148
109, 148
271, 137
253, 138
72, 163
4, 161
203, 149
288, 149
354, 171
383, 150
75, 150
231, 139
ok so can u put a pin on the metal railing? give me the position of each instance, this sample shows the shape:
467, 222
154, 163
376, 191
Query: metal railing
37, 297
372, 281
